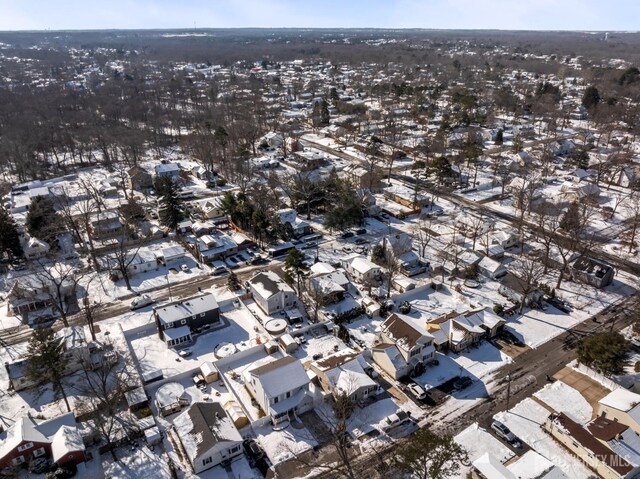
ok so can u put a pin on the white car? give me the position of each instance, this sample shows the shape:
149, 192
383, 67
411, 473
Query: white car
141, 301
504, 433
185, 353
184, 267
417, 391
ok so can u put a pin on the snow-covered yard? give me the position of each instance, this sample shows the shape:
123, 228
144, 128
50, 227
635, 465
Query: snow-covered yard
140, 463
477, 363
284, 444
525, 420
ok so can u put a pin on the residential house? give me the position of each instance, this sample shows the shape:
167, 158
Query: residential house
621, 405
280, 386
618, 437
31, 294
343, 372
328, 288
406, 197
216, 247
402, 347
363, 178
399, 245
105, 224
168, 170
289, 219
579, 191
504, 238
488, 467
361, 269
491, 268
516, 289
139, 179
605, 462
208, 436
457, 331
211, 207
34, 248
271, 293
592, 271
28, 439
177, 321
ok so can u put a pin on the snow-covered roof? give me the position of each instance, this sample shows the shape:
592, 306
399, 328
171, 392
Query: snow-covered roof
186, 308
202, 426
280, 375
491, 468
268, 283
66, 440
623, 400
26, 429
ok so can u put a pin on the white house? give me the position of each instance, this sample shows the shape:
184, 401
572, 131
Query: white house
34, 248
360, 268
280, 386
491, 268
343, 372
208, 435
271, 293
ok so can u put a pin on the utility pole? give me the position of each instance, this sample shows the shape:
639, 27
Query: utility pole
508, 389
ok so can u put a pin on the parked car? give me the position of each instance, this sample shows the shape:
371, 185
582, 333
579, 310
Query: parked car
504, 433
39, 465
185, 353
141, 302
63, 472
347, 234
361, 231
417, 391
252, 449
361, 241
184, 267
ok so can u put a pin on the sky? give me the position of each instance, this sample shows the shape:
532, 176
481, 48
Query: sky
602, 15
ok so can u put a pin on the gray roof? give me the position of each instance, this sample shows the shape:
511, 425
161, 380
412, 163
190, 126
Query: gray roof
269, 283
204, 425
186, 308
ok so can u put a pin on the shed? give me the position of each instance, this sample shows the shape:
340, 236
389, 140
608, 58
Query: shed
236, 414
137, 399
209, 372
288, 343
152, 436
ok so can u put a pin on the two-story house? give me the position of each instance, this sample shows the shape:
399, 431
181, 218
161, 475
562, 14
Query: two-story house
28, 439
343, 372
592, 271
177, 321
271, 293
208, 435
280, 387
402, 347
361, 269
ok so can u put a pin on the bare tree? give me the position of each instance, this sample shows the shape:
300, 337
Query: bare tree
530, 272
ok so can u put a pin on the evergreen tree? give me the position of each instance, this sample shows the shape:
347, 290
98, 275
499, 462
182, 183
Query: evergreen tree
591, 97
171, 212
571, 219
294, 263
499, 137
429, 456
9, 239
46, 361
604, 352
43, 221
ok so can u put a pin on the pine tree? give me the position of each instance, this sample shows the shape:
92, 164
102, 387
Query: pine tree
46, 361
9, 239
43, 221
591, 97
171, 212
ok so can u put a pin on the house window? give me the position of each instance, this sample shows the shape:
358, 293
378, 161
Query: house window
202, 315
414, 352
288, 395
275, 400
25, 446
183, 321
18, 460
234, 449
207, 460
38, 452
